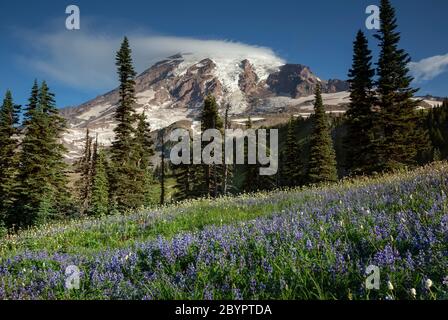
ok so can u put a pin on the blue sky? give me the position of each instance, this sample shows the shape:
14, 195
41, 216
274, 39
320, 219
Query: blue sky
78, 65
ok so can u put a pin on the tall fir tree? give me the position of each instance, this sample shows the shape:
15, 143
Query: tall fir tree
125, 193
32, 103
9, 121
437, 125
400, 138
253, 181
42, 193
292, 169
144, 149
99, 205
162, 170
85, 169
184, 174
250, 170
360, 140
56, 126
227, 168
185, 178
322, 158
210, 119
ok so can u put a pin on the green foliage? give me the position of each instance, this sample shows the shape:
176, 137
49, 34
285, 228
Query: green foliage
436, 123
212, 174
129, 171
184, 178
42, 193
322, 162
99, 205
32, 103
360, 143
400, 140
144, 151
228, 169
317, 255
85, 168
292, 169
123, 168
185, 175
9, 120
252, 180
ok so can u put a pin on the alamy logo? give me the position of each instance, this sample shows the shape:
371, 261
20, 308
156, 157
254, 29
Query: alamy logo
73, 278
373, 20
73, 21
373, 278
236, 151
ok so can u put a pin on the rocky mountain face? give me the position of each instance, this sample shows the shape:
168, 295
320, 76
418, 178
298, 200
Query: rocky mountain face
296, 81
173, 90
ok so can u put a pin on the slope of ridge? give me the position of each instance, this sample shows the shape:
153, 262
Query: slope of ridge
282, 239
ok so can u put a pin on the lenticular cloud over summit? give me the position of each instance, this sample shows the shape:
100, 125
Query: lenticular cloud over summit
87, 60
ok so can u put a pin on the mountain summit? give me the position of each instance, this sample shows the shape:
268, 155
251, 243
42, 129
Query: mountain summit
173, 90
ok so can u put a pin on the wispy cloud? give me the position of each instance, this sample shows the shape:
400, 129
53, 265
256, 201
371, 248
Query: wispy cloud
429, 68
87, 60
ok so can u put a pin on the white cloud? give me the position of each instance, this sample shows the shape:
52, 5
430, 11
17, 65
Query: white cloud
429, 68
87, 60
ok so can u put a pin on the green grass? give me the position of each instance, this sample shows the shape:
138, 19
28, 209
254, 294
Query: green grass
311, 243
90, 235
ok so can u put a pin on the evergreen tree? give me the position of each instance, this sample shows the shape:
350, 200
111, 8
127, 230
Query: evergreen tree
99, 205
144, 148
185, 178
32, 103
42, 182
9, 120
198, 182
291, 168
227, 168
162, 170
250, 170
125, 192
400, 139
56, 126
437, 125
85, 168
253, 181
359, 143
210, 119
322, 158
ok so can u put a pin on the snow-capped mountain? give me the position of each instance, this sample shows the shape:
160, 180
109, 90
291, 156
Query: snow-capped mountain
173, 90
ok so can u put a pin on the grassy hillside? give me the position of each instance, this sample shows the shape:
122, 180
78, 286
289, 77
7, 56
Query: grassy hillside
299, 244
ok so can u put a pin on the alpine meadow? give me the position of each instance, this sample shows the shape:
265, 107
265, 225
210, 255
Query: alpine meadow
282, 185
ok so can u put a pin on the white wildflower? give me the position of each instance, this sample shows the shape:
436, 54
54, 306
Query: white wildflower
413, 293
390, 286
428, 284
